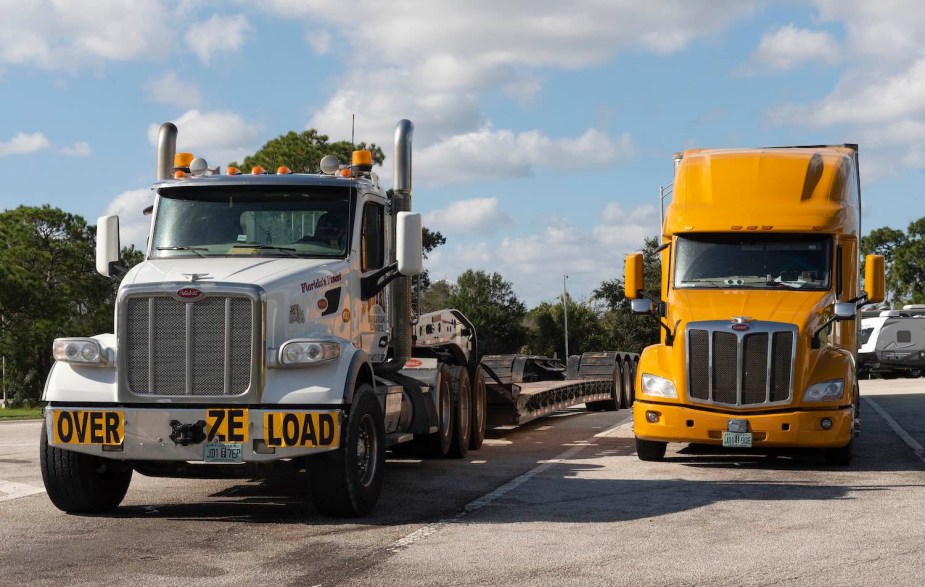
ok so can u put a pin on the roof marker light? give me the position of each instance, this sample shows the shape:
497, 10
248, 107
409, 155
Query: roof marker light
345, 172
283, 170
752, 227
736, 228
257, 170
179, 174
233, 170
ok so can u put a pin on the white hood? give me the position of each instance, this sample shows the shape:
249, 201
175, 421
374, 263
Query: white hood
258, 271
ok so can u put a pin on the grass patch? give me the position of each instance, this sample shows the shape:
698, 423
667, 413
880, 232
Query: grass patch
20, 413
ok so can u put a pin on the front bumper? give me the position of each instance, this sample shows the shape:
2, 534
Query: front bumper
791, 429
146, 433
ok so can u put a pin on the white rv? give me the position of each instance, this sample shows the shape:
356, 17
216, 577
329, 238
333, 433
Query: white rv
892, 343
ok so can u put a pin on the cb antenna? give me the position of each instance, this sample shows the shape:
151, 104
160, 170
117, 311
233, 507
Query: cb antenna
353, 127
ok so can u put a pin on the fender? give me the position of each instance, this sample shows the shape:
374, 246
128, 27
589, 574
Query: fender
358, 363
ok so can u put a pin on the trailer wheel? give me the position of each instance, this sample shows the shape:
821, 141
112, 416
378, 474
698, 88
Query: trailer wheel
462, 413
479, 409
438, 444
346, 482
628, 394
650, 450
841, 456
79, 483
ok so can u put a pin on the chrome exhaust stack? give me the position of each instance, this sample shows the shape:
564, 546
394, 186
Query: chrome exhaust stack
401, 202
166, 150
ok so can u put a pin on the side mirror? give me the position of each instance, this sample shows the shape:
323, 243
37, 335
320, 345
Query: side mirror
409, 242
108, 251
874, 279
632, 280
641, 306
846, 310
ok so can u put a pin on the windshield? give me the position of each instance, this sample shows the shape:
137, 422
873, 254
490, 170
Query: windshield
759, 261
267, 222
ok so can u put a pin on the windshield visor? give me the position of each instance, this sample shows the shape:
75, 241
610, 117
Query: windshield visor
753, 261
218, 222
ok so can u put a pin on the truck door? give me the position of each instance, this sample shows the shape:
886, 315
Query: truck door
374, 317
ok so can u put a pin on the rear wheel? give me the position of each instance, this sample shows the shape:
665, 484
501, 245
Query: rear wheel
479, 409
346, 482
650, 450
462, 416
627, 374
79, 483
438, 443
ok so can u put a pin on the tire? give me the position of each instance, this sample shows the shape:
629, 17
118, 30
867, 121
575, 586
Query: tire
627, 374
650, 450
841, 456
462, 412
914, 373
437, 445
599, 406
346, 482
616, 393
79, 483
479, 410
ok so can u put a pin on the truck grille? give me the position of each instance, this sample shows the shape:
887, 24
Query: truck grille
753, 367
201, 348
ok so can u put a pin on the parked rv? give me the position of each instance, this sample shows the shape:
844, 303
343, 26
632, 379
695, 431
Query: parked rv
892, 344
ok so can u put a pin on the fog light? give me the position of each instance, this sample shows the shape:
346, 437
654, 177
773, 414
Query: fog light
652, 417
826, 423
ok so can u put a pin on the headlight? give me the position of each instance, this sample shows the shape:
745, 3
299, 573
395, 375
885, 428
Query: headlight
825, 391
655, 385
308, 352
80, 351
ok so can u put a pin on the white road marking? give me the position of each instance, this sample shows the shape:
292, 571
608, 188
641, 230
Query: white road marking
425, 531
913, 443
10, 490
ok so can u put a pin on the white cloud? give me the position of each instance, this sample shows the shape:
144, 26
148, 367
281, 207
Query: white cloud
24, 143
489, 154
219, 137
133, 224
789, 47
474, 216
217, 36
58, 34
78, 149
171, 90
535, 262
402, 66
319, 41
892, 29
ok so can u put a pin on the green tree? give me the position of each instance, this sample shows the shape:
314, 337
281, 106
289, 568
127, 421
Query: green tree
421, 283
302, 152
489, 302
885, 241
49, 288
546, 326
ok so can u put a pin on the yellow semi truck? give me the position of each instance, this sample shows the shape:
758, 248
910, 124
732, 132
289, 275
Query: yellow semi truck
758, 304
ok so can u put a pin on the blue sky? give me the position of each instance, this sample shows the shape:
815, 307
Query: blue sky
543, 129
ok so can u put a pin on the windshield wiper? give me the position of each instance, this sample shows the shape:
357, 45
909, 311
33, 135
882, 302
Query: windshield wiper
284, 250
193, 249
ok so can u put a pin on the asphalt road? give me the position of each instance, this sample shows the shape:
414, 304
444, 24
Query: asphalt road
563, 500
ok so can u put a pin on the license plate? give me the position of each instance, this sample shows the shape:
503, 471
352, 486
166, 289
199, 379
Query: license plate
737, 439
103, 427
222, 452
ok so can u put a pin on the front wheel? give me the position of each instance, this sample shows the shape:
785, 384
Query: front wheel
79, 483
650, 450
346, 482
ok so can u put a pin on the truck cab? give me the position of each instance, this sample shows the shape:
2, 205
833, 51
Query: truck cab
758, 303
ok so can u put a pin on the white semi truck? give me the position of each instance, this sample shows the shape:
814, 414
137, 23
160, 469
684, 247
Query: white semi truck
270, 327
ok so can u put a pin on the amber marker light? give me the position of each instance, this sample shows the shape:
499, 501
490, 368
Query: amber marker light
257, 170
283, 170
323, 304
345, 172
233, 170
179, 174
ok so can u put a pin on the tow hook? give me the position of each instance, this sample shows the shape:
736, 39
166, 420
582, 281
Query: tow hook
186, 434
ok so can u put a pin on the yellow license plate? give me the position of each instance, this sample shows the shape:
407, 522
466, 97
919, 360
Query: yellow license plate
227, 424
102, 427
301, 429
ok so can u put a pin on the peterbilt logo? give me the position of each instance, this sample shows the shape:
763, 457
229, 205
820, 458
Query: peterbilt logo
741, 327
189, 294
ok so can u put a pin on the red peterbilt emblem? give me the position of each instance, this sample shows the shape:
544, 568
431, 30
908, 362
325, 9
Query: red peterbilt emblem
741, 327
189, 293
